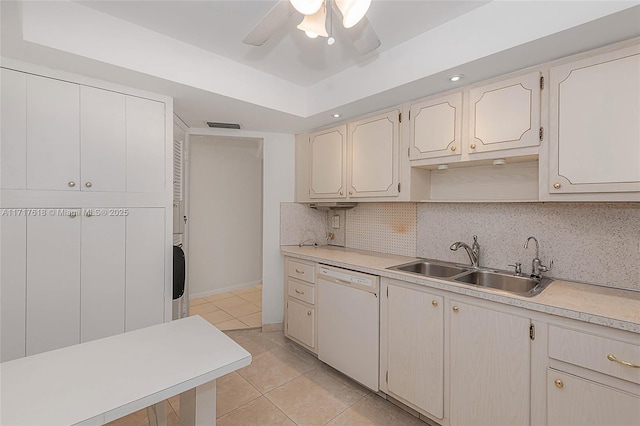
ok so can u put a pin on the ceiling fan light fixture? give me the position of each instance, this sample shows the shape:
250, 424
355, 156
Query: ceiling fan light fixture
307, 7
352, 11
314, 25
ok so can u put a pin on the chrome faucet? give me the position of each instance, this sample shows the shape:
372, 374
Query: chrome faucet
537, 268
473, 252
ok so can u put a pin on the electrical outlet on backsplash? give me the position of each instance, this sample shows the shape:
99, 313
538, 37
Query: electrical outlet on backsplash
300, 224
596, 243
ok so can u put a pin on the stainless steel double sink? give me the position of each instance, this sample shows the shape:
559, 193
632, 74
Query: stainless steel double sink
480, 277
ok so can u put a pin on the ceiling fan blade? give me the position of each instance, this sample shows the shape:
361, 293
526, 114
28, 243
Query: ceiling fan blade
364, 37
270, 24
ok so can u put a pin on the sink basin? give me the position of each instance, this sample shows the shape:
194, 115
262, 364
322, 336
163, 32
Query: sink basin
431, 269
513, 284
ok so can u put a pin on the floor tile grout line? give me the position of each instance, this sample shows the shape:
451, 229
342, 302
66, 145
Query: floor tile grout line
347, 408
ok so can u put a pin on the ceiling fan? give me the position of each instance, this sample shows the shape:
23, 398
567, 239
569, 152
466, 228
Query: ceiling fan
318, 15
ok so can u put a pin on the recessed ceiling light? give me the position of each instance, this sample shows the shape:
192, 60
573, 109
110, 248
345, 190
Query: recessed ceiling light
336, 115
456, 77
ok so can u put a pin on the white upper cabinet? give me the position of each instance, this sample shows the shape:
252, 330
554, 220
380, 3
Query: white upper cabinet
328, 151
102, 132
145, 133
53, 134
58, 135
505, 115
13, 132
594, 124
373, 156
436, 127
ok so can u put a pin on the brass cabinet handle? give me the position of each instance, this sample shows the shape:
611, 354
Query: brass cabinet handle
472, 146
557, 185
453, 148
71, 184
434, 302
341, 193
559, 384
455, 309
299, 292
350, 192
610, 357
309, 313
299, 271
88, 184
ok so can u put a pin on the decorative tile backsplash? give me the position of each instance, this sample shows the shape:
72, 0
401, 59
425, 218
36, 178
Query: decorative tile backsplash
383, 227
301, 224
593, 243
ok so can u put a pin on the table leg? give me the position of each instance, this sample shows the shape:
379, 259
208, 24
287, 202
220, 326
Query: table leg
198, 406
157, 414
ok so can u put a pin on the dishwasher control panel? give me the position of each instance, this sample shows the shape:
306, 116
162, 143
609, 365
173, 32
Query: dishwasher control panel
359, 280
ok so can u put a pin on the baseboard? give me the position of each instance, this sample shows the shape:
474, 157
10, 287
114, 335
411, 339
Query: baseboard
279, 326
223, 290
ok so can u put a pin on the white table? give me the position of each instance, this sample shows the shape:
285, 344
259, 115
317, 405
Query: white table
99, 381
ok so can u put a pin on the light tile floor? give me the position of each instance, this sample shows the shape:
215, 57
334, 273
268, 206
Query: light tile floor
235, 310
285, 385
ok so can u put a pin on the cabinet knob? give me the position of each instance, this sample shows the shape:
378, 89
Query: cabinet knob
453, 148
455, 309
350, 192
559, 383
341, 193
72, 214
434, 302
309, 313
88, 213
71, 184
472, 146
88, 184
557, 185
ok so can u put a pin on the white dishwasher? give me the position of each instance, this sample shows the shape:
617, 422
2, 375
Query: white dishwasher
349, 323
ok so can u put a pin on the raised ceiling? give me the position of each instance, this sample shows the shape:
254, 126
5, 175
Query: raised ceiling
192, 50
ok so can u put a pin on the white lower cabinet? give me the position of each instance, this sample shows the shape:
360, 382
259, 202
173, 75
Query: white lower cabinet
489, 366
301, 322
575, 401
412, 346
53, 282
71, 275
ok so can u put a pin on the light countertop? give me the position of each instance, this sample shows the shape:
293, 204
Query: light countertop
589, 303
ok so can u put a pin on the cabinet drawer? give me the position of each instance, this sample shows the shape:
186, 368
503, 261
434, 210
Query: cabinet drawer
302, 271
301, 291
595, 353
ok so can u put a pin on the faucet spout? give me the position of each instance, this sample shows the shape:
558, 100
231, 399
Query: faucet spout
473, 252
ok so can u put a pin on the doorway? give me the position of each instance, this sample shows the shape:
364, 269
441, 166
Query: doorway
225, 230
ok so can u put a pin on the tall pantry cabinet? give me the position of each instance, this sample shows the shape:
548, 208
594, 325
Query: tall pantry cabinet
86, 199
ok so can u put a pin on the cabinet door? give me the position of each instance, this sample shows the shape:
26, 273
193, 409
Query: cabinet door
505, 115
103, 277
436, 127
146, 145
53, 282
301, 322
415, 347
145, 255
595, 136
572, 401
373, 156
102, 135
13, 281
53, 134
13, 132
328, 150
490, 367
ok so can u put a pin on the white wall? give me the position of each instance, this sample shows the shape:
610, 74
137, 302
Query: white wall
225, 233
278, 187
